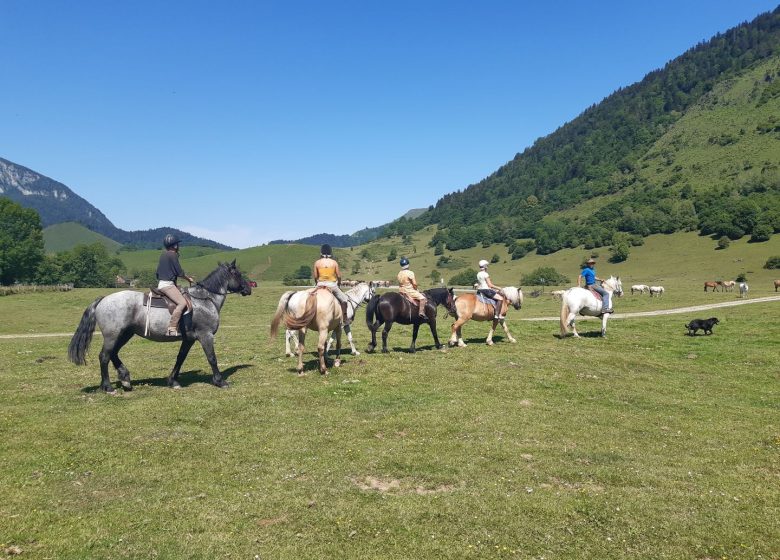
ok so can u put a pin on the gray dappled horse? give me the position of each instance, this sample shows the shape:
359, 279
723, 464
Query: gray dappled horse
122, 314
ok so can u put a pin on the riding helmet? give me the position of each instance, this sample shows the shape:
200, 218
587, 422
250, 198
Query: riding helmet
483, 263
325, 250
170, 240
404, 261
590, 261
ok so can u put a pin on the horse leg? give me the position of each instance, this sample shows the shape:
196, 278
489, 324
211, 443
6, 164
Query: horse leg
604, 325
287, 336
506, 331
415, 330
207, 342
432, 324
105, 356
489, 340
385, 332
337, 363
301, 340
184, 349
570, 320
373, 328
321, 351
456, 337
124, 374
348, 330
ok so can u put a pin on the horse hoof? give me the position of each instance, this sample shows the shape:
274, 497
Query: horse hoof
126, 385
337, 363
513, 341
356, 353
222, 385
385, 351
109, 390
489, 343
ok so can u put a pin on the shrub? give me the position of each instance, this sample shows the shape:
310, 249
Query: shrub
762, 232
435, 276
772, 263
495, 258
544, 276
724, 242
392, 255
465, 278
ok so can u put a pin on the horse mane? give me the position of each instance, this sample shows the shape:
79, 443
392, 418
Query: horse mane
512, 293
216, 280
437, 294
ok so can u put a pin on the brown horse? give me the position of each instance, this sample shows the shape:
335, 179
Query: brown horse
469, 307
713, 285
777, 284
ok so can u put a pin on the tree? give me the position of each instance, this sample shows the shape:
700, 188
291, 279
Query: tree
392, 255
439, 249
90, 266
544, 276
762, 232
21, 242
465, 278
621, 247
724, 242
303, 273
435, 276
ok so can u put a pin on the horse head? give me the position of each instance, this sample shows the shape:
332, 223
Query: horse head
614, 284
236, 281
449, 303
371, 291
515, 296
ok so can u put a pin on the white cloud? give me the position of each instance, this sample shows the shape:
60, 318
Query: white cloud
233, 234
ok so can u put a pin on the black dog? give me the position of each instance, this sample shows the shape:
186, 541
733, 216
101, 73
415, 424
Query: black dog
704, 324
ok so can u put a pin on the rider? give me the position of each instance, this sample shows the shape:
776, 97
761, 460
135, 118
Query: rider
168, 270
490, 290
407, 285
589, 274
327, 273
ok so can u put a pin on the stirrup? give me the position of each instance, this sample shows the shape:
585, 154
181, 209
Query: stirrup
172, 331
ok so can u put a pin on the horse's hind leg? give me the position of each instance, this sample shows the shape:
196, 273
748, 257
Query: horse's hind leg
184, 349
570, 320
385, 332
415, 330
105, 356
207, 342
373, 328
432, 324
301, 341
124, 374
321, 351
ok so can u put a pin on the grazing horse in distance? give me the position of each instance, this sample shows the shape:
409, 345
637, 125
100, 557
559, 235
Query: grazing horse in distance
315, 309
469, 307
357, 296
641, 288
777, 284
743, 289
582, 301
656, 291
712, 285
392, 307
123, 314
728, 285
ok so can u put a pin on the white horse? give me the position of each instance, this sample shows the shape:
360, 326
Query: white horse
656, 291
641, 288
357, 296
728, 285
743, 289
582, 301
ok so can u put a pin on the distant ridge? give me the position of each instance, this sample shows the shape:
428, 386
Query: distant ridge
351, 240
57, 204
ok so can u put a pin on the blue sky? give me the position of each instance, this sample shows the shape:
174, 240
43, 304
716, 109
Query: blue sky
266, 120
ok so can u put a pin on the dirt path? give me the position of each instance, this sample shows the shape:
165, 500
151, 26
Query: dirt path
668, 311
613, 316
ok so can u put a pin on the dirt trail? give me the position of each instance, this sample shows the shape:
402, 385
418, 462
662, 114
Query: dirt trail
668, 311
613, 316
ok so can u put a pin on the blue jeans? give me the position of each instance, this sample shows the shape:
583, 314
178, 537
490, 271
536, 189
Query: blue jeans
604, 295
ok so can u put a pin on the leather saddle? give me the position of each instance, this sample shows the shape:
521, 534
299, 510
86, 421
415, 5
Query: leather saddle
595, 293
159, 300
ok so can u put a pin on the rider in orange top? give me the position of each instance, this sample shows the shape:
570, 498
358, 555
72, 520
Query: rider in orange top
407, 285
327, 273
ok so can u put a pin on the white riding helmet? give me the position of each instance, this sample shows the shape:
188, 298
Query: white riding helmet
483, 263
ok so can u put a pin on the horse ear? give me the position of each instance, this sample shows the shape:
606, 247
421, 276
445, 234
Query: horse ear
233, 264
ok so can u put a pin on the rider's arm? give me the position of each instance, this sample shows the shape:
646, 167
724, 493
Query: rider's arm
579, 280
338, 274
316, 273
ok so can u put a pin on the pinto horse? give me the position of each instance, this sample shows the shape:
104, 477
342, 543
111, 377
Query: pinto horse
582, 301
392, 307
469, 307
122, 314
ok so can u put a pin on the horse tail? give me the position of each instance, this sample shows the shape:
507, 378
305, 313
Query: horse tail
296, 323
281, 309
371, 310
564, 317
79, 344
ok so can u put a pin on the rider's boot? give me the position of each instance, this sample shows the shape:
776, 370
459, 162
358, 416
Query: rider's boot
605, 305
421, 310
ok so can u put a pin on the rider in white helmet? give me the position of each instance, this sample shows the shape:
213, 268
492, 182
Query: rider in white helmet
490, 290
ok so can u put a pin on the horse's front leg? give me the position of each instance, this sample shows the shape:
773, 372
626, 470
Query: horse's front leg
432, 324
489, 339
604, 325
323, 339
506, 331
207, 342
457, 337
348, 330
184, 349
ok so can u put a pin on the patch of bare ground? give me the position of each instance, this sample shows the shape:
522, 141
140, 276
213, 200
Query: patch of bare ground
587, 487
387, 485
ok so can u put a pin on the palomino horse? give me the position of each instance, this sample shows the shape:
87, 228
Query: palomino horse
392, 307
582, 301
357, 296
316, 309
641, 288
122, 314
728, 285
711, 285
467, 307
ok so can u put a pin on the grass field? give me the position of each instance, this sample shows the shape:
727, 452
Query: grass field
647, 444
65, 236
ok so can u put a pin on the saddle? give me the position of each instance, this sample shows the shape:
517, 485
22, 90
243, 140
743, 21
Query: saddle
595, 293
159, 300
486, 300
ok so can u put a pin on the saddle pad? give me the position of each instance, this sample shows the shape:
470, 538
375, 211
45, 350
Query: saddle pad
157, 301
486, 301
595, 293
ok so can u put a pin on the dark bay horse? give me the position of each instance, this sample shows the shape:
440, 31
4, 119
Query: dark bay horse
392, 307
122, 314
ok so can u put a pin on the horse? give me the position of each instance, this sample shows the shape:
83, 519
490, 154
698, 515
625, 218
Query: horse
713, 285
392, 307
641, 288
582, 301
467, 306
777, 284
728, 285
316, 309
743, 289
122, 314
357, 296
656, 291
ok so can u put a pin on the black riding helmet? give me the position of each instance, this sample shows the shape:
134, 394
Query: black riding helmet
171, 240
326, 251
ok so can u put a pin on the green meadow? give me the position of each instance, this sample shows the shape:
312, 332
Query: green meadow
646, 444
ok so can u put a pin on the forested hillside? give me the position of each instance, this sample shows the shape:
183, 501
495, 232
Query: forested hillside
693, 146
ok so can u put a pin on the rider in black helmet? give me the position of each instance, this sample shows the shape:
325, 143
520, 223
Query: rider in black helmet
168, 270
327, 273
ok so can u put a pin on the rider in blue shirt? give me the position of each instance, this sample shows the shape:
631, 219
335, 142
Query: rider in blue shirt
590, 283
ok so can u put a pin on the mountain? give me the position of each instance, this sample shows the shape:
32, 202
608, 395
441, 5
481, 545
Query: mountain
56, 204
358, 238
65, 236
692, 146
